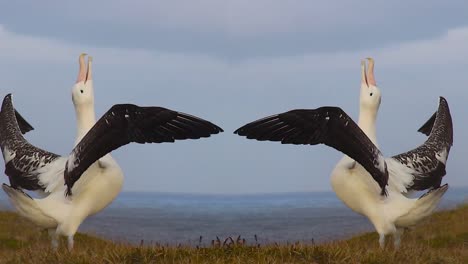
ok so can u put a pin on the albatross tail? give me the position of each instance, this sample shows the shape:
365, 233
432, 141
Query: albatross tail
422, 208
28, 208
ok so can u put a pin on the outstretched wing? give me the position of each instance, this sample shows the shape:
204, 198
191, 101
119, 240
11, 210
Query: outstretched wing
426, 163
25, 164
127, 123
326, 125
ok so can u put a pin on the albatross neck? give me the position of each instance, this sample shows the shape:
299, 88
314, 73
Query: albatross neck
367, 122
86, 118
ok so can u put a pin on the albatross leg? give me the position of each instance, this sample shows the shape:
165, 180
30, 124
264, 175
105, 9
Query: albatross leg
381, 240
53, 238
70, 242
397, 240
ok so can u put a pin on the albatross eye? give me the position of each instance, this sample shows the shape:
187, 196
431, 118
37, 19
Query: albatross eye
369, 94
82, 91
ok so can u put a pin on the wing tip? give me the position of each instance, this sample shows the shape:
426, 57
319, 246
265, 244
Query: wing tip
441, 190
10, 191
239, 132
442, 99
217, 129
213, 128
384, 192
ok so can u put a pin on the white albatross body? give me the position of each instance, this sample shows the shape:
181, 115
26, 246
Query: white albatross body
98, 186
354, 185
366, 181
89, 179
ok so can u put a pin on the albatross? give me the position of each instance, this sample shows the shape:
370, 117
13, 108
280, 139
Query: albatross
87, 180
372, 185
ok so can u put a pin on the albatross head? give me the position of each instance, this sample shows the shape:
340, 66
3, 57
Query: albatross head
83, 91
370, 94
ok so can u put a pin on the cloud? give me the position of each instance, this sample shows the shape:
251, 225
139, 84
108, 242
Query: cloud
236, 28
27, 48
449, 48
23, 48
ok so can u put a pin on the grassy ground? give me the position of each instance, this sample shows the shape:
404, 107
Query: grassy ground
441, 239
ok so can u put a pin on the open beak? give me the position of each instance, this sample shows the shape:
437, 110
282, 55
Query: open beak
368, 77
84, 73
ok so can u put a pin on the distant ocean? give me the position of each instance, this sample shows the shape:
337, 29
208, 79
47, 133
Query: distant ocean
173, 219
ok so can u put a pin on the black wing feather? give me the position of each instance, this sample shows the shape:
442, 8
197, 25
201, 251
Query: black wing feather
126, 123
326, 125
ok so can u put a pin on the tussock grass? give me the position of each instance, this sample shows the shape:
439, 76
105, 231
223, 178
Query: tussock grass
443, 238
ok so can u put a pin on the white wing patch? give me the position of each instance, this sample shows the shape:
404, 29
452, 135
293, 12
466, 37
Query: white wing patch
8, 155
442, 156
51, 175
400, 177
71, 161
381, 161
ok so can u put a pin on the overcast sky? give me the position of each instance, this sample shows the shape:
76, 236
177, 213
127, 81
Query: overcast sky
232, 62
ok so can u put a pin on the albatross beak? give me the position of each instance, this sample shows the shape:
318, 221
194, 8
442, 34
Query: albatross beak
368, 78
82, 71
363, 73
88, 74
370, 73
84, 74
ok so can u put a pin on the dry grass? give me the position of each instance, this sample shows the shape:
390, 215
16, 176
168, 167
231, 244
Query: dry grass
441, 239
